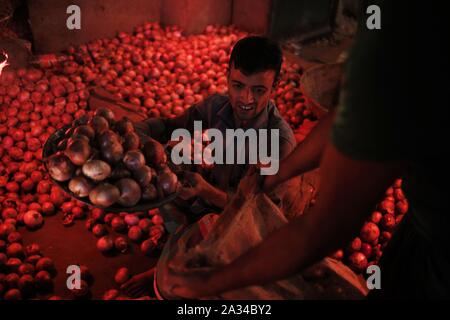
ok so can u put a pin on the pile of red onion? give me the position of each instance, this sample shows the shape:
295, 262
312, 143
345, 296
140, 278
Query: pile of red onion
366, 249
163, 73
116, 231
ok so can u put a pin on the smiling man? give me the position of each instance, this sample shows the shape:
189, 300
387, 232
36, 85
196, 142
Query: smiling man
249, 94
254, 69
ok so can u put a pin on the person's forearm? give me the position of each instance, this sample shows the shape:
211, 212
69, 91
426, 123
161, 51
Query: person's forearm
306, 156
214, 196
329, 225
286, 252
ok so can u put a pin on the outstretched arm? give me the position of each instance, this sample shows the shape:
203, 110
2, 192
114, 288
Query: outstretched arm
197, 186
351, 190
305, 157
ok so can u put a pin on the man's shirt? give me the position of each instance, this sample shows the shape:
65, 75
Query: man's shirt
216, 112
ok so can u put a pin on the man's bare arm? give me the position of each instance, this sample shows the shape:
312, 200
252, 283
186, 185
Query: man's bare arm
349, 191
306, 156
197, 186
215, 196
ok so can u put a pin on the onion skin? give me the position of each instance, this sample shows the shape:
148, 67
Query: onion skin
143, 176
76, 137
149, 193
100, 124
107, 114
80, 186
131, 220
358, 262
376, 217
134, 160
78, 151
388, 222
13, 295
105, 244
135, 234
122, 275
104, 195
112, 153
99, 230
387, 207
60, 167
96, 170
45, 264
131, 141
355, 245
84, 119
107, 138
148, 247
118, 224
155, 154
130, 192
33, 219
124, 126
108, 218
370, 232
85, 130
120, 172
121, 244
167, 181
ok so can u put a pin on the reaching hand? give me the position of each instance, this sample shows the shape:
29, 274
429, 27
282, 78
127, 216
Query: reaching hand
193, 185
191, 284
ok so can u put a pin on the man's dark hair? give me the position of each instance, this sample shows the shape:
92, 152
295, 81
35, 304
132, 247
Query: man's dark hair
256, 54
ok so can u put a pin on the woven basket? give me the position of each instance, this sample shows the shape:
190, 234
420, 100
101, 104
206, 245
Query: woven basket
321, 86
6, 12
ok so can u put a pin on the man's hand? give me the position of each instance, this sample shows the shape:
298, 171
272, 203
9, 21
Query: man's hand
251, 183
297, 245
193, 186
258, 181
191, 284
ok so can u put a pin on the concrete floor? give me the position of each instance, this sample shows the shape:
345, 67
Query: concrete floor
77, 245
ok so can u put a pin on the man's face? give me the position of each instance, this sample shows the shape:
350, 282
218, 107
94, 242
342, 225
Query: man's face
250, 94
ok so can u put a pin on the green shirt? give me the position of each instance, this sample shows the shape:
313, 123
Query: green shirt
378, 120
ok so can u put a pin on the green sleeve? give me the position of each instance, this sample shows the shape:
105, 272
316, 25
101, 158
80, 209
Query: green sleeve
369, 123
